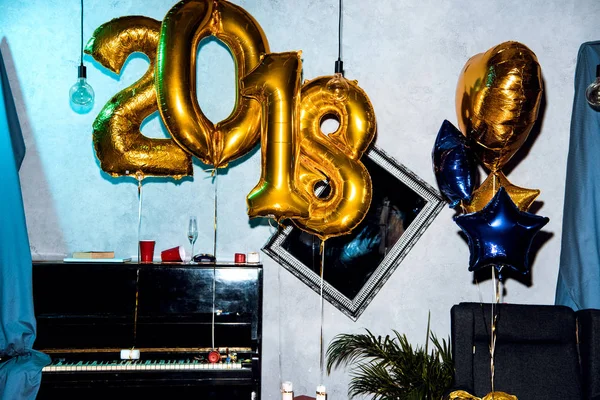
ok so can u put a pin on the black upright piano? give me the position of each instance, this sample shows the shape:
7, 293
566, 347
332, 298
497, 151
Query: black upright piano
172, 313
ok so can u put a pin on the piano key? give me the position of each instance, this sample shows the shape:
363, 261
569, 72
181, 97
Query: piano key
60, 365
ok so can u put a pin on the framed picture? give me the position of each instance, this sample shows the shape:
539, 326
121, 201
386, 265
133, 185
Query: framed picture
357, 265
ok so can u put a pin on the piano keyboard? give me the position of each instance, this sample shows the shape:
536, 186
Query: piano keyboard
138, 365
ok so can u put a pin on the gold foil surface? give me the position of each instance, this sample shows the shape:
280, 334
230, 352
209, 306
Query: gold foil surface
522, 197
497, 101
119, 144
184, 26
275, 85
335, 158
462, 395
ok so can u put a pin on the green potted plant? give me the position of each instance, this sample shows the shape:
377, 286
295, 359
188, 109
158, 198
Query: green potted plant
390, 368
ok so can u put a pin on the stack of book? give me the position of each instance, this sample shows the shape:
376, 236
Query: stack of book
95, 256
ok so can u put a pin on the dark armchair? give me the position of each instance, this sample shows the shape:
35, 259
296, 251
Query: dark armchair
589, 349
536, 354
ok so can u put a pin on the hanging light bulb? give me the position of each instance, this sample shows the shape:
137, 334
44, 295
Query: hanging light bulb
81, 93
338, 85
592, 93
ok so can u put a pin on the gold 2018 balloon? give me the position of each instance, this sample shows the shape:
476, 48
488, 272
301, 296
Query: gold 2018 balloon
497, 101
120, 146
184, 26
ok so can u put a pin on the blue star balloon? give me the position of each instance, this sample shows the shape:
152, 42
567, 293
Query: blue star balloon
453, 164
500, 234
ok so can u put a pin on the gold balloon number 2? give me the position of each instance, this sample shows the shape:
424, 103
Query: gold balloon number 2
271, 105
120, 146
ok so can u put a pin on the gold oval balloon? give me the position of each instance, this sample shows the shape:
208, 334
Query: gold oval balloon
497, 101
335, 158
119, 144
184, 26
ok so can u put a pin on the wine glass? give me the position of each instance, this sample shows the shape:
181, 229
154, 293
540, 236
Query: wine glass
192, 235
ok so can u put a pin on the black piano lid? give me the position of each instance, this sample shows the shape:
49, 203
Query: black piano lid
92, 305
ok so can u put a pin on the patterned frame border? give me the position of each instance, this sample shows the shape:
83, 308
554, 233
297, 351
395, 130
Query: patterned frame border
353, 308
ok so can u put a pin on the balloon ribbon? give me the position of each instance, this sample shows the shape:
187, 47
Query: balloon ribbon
139, 178
215, 175
494, 321
135, 311
321, 353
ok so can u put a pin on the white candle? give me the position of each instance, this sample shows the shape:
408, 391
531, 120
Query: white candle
321, 393
253, 258
286, 391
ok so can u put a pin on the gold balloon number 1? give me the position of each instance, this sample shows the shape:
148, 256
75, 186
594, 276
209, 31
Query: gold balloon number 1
270, 104
275, 83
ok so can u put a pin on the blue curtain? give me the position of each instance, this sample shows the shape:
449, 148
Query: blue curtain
20, 376
579, 275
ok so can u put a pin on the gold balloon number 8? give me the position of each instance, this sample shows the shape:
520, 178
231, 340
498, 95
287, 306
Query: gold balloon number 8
184, 26
336, 156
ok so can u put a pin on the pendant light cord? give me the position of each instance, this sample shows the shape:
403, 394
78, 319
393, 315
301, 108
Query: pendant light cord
339, 31
81, 53
339, 65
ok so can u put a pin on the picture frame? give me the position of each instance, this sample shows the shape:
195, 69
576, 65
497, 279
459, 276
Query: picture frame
358, 264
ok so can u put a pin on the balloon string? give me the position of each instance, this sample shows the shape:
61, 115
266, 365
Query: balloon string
273, 226
213, 303
321, 353
340, 31
135, 312
276, 227
279, 307
139, 230
211, 171
215, 174
494, 320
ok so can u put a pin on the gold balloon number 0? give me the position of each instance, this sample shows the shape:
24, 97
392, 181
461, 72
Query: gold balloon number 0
184, 26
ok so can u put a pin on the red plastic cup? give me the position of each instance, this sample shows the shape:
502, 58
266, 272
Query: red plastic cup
175, 254
240, 258
147, 250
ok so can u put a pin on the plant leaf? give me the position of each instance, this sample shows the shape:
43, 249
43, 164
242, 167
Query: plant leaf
390, 368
